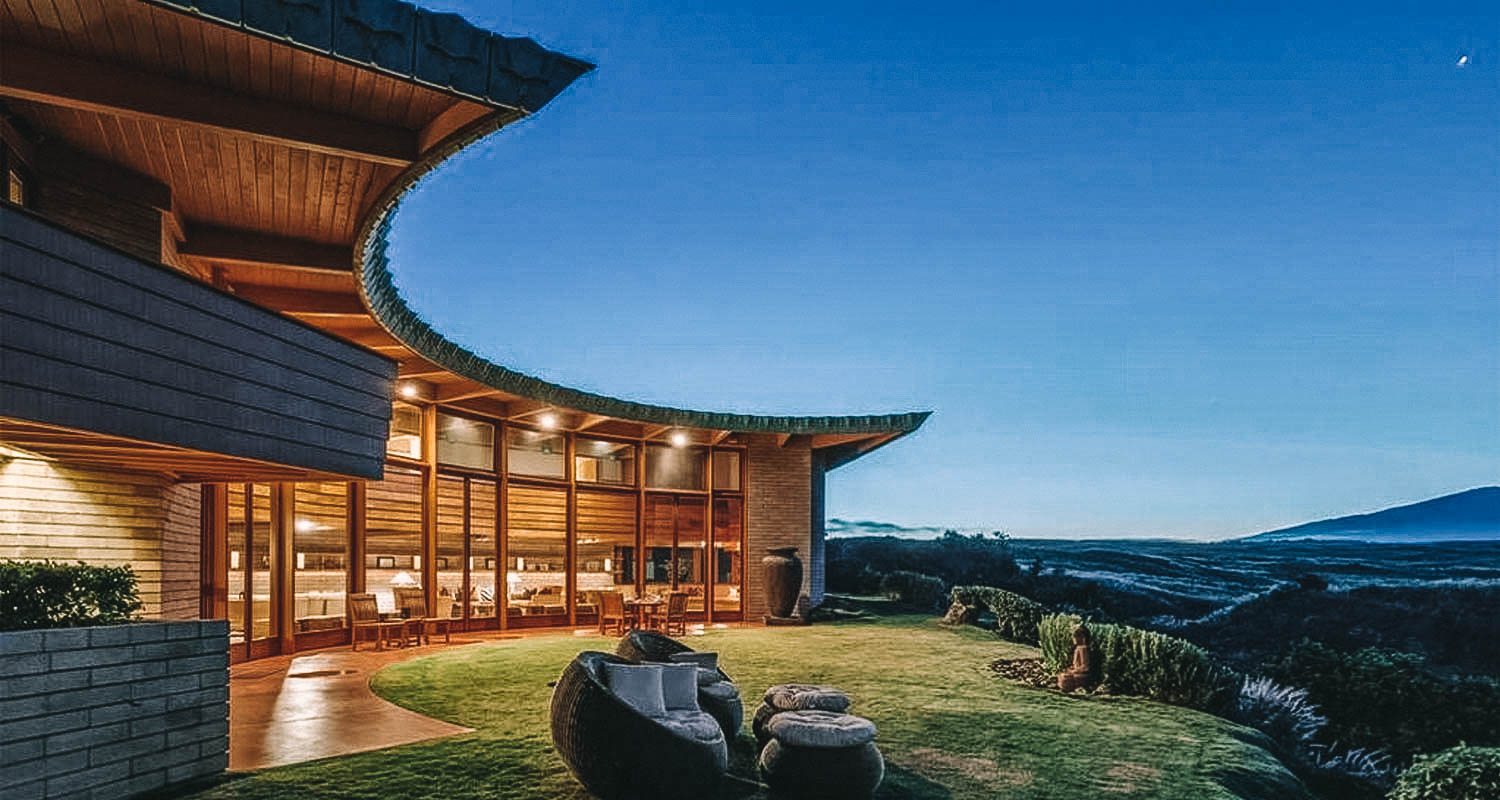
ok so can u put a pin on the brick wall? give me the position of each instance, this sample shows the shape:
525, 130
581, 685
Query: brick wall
112, 711
49, 509
778, 501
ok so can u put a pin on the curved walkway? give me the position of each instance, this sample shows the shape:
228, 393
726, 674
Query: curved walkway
318, 704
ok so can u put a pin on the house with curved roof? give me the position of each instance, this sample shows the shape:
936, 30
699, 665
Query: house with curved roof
208, 373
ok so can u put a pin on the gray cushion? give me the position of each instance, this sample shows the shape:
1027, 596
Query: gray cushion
695, 725
702, 658
707, 676
638, 685
805, 697
820, 729
720, 690
679, 686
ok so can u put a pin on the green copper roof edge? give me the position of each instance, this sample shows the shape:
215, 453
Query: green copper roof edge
378, 290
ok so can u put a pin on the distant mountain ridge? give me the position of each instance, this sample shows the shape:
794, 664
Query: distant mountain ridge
1472, 515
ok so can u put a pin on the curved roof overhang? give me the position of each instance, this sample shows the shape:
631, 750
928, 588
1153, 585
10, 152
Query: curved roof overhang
357, 102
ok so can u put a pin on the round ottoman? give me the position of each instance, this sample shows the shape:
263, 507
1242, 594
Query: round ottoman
795, 697
821, 754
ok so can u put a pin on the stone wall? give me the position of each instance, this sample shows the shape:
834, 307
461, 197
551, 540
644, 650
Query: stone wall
52, 510
112, 711
778, 502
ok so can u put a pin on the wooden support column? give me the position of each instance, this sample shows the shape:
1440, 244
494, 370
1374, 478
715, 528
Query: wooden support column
709, 561
570, 579
213, 568
283, 524
502, 532
358, 492
429, 505
640, 519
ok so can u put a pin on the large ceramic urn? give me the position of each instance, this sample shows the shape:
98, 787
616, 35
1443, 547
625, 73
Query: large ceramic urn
783, 580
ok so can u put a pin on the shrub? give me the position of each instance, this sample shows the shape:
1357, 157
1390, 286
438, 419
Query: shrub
46, 594
1458, 773
926, 592
1132, 661
1280, 712
1016, 617
1391, 700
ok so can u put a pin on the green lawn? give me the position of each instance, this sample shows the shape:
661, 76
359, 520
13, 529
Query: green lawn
948, 726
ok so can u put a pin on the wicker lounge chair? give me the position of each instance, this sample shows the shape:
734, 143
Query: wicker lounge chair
618, 753
725, 706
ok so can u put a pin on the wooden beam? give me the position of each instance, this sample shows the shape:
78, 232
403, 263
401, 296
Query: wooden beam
653, 431
258, 249
522, 408
719, 437
782, 439
592, 420
423, 375
298, 301
442, 126
452, 394
54, 79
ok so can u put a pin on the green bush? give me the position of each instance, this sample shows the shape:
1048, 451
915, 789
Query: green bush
1458, 773
1131, 661
914, 589
1393, 701
1016, 617
47, 594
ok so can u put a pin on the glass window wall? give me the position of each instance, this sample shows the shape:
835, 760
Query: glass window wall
726, 470
728, 554
536, 569
451, 516
320, 543
464, 442
406, 431
675, 467
543, 455
393, 535
605, 549
604, 462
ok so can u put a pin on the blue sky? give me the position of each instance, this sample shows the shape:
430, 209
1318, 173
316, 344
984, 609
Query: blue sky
1173, 273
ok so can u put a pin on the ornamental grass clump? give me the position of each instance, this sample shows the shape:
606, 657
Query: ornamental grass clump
1280, 712
48, 594
1131, 661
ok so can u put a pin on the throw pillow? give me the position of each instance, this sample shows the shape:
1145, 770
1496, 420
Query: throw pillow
639, 686
679, 687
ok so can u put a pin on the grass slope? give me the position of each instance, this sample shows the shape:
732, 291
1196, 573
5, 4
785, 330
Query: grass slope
948, 726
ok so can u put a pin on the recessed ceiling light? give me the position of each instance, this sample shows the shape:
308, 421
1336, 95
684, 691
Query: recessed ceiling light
678, 439
409, 390
548, 421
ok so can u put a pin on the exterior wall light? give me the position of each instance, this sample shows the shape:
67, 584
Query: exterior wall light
409, 390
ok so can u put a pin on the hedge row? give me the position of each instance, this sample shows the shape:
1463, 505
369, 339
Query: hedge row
48, 594
1016, 617
1131, 661
914, 589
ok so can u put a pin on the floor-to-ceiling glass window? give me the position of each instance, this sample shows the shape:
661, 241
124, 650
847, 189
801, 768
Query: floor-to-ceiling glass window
604, 553
537, 543
661, 526
239, 562
452, 519
393, 534
728, 554
692, 551
320, 544
261, 625
482, 552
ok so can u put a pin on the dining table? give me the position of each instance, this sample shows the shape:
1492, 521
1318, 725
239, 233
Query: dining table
642, 610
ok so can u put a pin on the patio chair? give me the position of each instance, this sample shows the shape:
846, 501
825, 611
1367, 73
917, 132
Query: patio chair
364, 615
721, 699
619, 753
413, 603
673, 615
611, 611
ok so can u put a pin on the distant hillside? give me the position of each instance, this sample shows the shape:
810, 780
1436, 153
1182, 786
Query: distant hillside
1473, 515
